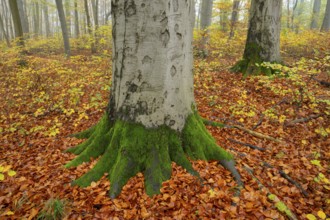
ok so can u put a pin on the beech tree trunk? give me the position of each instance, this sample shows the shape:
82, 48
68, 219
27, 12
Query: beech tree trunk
65, 34
89, 27
263, 38
23, 16
46, 19
326, 19
151, 118
17, 22
4, 31
315, 14
206, 13
76, 19
234, 18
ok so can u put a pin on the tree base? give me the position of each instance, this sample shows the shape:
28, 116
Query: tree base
250, 67
127, 148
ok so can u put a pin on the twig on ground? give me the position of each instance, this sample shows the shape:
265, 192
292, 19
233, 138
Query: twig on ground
248, 145
301, 120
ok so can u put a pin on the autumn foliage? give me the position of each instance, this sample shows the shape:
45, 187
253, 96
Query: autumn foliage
45, 98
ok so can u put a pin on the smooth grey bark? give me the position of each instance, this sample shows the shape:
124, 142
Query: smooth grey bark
23, 16
4, 32
326, 19
36, 20
68, 16
17, 22
89, 26
288, 14
152, 62
65, 34
206, 14
76, 19
46, 19
263, 38
234, 18
316, 14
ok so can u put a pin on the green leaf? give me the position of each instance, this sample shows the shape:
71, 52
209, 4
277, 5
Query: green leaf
2, 177
316, 163
11, 173
311, 217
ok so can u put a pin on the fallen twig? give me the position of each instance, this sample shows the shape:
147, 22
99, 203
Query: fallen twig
254, 133
278, 203
322, 82
248, 145
301, 120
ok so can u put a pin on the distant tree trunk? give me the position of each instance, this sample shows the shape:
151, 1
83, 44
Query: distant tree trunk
263, 39
206, 14
2, 28
224, 20
17, 22
95, 6
234, 18
76, 19
300, 11
326, 19
36, 19
288, 14
89, 26
315, 14
206, 19
65, 34
23, 16
68, 15
293, 15
46, 22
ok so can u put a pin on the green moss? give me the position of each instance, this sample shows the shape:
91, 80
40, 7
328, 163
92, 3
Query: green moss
250, 64
127, 148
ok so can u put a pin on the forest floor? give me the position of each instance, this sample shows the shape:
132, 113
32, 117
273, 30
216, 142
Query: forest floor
46, 98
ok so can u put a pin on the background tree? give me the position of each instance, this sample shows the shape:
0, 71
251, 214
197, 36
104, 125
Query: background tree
46, 19
89, 26
234, 18
4, 31
65, 34
326, 19
23, 16
315, 14
263, 38
76, 19
17, 22
151, 118
206, 19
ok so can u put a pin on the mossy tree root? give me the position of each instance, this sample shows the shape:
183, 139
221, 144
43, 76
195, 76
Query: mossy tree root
127, 148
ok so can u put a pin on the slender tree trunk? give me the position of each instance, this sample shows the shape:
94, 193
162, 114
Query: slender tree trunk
36, 18
293, 15
46, 20
288, 14
206, 14
300, 11
263, 39
150, 120
224, 20
89, 26
234, 18
17, 22
4, 31
65, 34
315, 14
76, 19
23, 16
67, 6
326, 19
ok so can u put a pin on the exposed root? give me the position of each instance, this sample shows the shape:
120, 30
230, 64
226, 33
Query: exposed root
127, 148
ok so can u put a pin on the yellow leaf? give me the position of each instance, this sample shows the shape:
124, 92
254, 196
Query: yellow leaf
6, 168
9, 213
311, 217
321, 214
2, 177
1, 168
211, 193
11, 173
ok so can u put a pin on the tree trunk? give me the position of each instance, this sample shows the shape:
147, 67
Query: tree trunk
288, 14
263, 38
4, 31
76, 19
150, 120
68, 16
17, 22
89, 27
23, 16
315, 14
326, 20
206, 14
46, 17
36, 19
65, 34
234, 18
